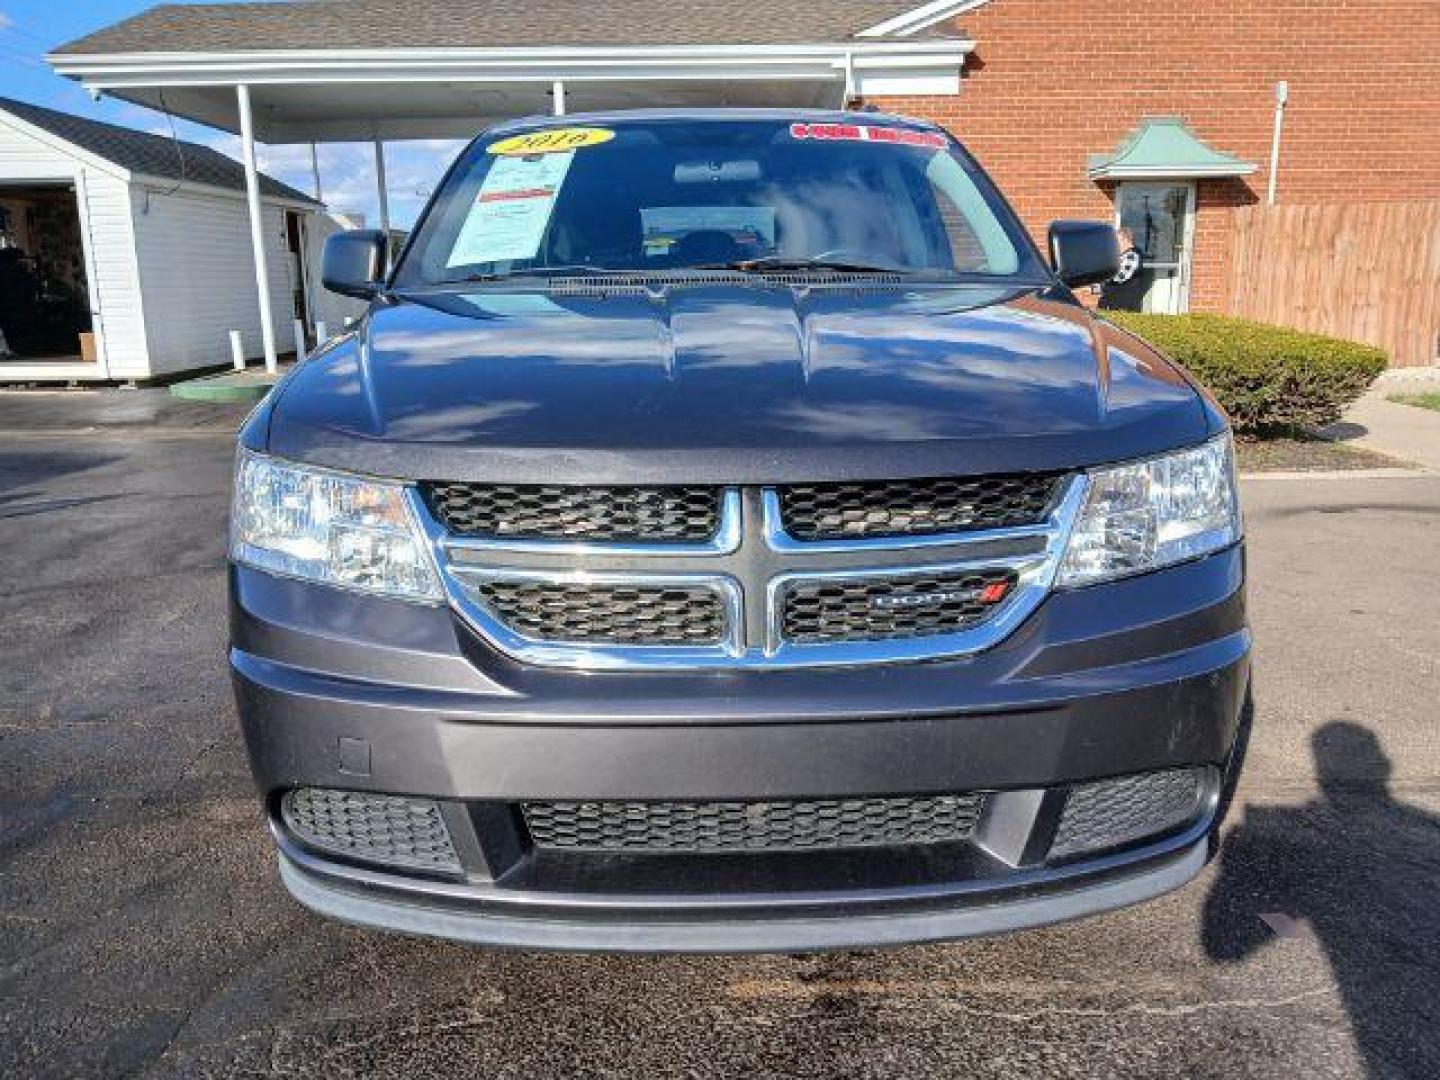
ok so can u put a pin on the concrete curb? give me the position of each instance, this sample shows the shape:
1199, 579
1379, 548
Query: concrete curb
234, 387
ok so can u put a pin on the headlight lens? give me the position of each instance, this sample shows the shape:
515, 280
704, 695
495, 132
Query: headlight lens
1149, 514
326, 527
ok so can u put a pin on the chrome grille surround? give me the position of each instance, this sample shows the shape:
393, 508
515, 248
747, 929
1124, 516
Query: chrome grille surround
751, 565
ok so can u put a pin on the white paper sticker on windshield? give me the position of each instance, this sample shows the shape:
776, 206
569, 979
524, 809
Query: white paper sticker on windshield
511, 210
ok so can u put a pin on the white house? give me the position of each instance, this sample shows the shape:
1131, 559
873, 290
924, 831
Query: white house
126, 255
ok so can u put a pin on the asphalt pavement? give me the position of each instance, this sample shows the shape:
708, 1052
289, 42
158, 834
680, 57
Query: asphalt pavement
143, 930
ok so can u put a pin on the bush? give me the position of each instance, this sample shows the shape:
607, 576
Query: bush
1268, 378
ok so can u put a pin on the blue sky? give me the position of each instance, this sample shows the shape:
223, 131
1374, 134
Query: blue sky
31, 28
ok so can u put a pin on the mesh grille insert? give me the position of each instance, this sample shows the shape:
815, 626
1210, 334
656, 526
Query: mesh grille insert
842, 511
876, 608
385, 829
598, 514
608, 614
756, 826
1114, 812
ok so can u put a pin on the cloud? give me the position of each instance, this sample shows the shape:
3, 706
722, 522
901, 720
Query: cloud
6, 22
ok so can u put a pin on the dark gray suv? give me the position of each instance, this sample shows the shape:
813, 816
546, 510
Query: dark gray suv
725, 531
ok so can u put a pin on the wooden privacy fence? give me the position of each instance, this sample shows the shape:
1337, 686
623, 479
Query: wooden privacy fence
1364, 271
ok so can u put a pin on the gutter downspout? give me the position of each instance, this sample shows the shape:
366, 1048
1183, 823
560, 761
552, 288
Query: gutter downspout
1282, 95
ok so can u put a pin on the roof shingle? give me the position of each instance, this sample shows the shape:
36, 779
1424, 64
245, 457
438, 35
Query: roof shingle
146, 154
357, 24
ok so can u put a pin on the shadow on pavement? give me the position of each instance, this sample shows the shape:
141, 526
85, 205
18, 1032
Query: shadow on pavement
1360, 870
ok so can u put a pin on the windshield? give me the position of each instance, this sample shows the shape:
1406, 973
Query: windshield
746, 195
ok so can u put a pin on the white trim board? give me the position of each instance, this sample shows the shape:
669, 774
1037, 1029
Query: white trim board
920, 18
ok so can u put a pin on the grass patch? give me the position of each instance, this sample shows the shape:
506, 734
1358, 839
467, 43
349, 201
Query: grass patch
1422, 401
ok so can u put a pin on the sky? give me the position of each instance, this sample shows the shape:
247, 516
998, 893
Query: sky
31, 28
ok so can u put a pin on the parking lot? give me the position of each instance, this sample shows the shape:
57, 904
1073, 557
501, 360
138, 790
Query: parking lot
143, 930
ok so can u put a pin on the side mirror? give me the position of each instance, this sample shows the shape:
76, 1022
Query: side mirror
354, 263
1084, 252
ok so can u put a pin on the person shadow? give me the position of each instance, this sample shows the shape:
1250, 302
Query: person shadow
1360, 871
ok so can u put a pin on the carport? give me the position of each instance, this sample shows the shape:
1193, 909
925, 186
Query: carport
378, 70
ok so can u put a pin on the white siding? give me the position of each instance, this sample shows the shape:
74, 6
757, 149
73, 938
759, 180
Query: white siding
198, 276
325, 306
105, 217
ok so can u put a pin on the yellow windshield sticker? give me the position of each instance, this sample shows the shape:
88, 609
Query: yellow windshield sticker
551, 141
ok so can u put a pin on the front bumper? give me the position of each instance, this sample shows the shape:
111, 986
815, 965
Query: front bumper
347, 692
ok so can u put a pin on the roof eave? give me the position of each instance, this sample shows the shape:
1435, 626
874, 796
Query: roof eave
1172, 172
261, 61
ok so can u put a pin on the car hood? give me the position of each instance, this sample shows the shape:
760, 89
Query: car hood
730, 383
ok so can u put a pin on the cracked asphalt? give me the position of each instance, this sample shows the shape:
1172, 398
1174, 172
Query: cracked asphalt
143, 930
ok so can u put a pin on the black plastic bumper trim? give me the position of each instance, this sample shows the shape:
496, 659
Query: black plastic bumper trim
740, 934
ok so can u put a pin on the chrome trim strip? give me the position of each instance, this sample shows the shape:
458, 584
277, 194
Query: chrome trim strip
1036, 575
780, 540
725, 541
1036, 572
589, 655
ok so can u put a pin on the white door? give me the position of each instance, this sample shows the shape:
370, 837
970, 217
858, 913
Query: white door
1160, 218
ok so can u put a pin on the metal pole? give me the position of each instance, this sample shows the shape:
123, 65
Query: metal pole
557, 92
315, 169
1282, 95
257, 226
300, 349
381, 187
322, 334
237, 350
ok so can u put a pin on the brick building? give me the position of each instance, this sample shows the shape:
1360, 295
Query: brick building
1159, 114
1052, 82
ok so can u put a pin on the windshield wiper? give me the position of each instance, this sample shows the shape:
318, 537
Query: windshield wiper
539, 271
782, 263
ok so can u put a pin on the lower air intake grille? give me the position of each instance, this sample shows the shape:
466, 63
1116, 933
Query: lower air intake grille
577, 514
599, 614
384, 829
839, 511
902, 606
758, 826
1115, 812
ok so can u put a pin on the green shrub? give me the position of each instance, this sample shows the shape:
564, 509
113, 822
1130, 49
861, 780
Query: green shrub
1268, 378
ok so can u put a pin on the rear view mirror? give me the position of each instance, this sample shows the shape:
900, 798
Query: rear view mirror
1084, 252
354, 263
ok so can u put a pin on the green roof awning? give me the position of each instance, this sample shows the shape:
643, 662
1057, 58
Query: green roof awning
1164, 148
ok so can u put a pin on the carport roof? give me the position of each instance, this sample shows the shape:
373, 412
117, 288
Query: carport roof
144, 154
357, 24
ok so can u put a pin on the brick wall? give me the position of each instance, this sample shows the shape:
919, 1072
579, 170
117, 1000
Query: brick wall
1053, 81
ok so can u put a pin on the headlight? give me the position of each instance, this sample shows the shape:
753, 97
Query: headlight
1149, 514
327, 527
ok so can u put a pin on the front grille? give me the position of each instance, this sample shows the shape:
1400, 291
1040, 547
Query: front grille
879, 508
588, 612
756, 826
900, 606
385, 829
592, 514
1115, 812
